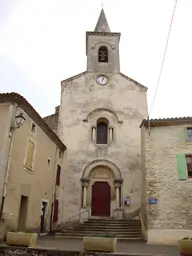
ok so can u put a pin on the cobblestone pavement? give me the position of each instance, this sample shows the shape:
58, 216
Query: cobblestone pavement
123, 246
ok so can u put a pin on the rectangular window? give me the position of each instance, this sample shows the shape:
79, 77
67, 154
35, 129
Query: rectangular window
189, 134
33, 128
49, 162
58, 175
189, 165
30, 154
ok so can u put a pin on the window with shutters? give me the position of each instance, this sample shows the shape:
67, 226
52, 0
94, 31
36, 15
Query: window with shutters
58, 175
189, 134
189, 165
29, 159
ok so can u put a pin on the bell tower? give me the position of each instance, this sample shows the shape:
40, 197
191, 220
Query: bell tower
102, 48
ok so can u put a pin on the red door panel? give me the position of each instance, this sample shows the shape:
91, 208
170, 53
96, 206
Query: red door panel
101, 197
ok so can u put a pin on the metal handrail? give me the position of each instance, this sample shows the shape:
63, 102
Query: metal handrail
79, 214
68, 221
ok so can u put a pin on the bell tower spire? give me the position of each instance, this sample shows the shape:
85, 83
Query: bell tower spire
102, 24
102, 48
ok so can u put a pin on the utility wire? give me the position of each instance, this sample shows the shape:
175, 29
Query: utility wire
163, 60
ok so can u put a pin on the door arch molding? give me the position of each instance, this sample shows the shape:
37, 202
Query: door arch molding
101, 162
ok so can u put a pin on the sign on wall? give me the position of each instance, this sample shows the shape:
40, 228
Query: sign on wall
127, 200
152, 200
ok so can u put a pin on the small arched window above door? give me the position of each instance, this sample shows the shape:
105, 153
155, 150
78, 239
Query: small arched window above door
103, 54
102, 131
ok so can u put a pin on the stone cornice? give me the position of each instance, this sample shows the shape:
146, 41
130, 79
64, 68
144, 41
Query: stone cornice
144, 88
74, 77
110, 34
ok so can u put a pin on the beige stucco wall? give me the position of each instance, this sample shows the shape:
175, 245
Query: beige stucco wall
170, 219
126, 106
37, 184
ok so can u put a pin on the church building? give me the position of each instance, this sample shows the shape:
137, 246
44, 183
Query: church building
99, 117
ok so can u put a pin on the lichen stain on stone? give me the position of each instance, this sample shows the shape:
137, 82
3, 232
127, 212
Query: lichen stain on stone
133, 164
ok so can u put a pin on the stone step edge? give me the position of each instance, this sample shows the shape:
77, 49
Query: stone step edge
120, 238
100, 231
99, 227
81, 234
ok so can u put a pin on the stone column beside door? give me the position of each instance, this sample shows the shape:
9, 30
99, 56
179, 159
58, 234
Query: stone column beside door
84, 211
85, 183
118, 212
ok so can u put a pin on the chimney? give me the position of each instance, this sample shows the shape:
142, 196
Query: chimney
57, 109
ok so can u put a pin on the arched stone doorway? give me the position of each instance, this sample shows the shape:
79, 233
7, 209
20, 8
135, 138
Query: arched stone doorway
101, 188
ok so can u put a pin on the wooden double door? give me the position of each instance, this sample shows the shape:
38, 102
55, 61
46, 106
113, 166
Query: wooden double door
101, 199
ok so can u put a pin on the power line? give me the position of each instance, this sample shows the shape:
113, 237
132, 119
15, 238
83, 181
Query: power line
163, 60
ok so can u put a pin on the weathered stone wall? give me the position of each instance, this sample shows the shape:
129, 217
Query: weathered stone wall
124, 104
112, 43
52, 121
143, 212
174, 196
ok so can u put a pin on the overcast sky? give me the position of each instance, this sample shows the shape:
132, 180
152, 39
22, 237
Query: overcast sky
43, 42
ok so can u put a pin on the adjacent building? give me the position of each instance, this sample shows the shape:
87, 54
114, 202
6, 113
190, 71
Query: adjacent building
167, 179
31, 156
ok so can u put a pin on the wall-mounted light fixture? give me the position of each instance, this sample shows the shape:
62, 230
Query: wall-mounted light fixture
20, 119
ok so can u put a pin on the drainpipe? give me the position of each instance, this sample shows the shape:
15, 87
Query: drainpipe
11, 135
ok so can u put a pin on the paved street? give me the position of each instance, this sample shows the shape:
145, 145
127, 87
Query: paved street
122, 247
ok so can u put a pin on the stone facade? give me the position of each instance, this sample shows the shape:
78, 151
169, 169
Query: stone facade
122, 102
169, 219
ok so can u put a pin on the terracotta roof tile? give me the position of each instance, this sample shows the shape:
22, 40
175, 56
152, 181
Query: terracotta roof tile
166, 121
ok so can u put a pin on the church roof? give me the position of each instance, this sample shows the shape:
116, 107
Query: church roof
102, 24
166, 121
26, 106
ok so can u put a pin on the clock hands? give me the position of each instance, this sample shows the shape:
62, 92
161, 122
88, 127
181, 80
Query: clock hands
103, 80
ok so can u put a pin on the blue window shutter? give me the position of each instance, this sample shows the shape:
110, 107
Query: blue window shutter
182, 167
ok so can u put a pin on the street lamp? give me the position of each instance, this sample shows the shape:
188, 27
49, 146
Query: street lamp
20, 119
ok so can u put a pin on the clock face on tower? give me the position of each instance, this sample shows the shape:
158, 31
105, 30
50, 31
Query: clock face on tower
102, 79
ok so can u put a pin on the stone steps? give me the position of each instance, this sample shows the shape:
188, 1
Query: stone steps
100, 232
75, 236
123, 229
103, 229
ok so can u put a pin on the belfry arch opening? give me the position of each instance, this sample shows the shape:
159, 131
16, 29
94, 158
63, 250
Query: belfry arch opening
103, 54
